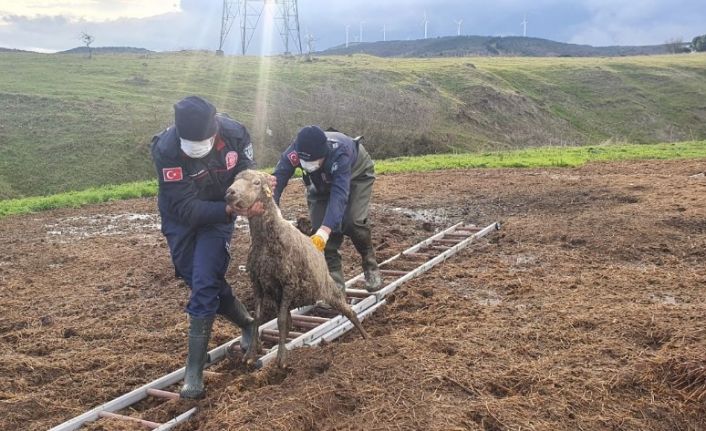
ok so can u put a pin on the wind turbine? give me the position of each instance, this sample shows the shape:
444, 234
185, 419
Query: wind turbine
426, 24
524, 26
458, 27
361, 31
348, 27
384, 32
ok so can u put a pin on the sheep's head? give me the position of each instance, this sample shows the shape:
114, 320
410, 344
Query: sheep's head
249, 187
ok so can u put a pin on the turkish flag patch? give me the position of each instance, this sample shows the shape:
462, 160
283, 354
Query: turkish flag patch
231, 160
172, 174
293, 158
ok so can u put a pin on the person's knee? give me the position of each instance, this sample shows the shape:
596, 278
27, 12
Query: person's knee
203, 303
351, 225
358, 229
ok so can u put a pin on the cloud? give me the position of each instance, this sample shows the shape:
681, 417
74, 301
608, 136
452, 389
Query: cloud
170, 24
89, 10
653, 22
170, 31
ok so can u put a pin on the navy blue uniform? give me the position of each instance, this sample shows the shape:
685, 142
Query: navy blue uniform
192, 206
332, 180
338, 196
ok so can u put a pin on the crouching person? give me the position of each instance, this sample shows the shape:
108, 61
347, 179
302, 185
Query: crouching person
196, 160
339, 175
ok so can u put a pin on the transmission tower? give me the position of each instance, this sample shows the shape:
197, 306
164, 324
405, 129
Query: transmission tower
248, 13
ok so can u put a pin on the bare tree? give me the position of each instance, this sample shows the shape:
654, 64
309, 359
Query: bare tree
675, 45
87, 40
310, 46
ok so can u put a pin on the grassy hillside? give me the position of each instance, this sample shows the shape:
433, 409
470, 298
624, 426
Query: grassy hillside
527, 158
459, 46
68, 123
107, 50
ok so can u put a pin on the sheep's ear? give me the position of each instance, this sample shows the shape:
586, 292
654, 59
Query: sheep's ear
267, 189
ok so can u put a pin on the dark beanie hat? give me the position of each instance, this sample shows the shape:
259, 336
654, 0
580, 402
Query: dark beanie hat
310, 143
195, 119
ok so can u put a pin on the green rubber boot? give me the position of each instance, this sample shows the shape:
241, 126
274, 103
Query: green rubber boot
199, 334
373, 278
235, 312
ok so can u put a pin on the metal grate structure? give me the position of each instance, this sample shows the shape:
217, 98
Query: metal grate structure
249, 13
312, 324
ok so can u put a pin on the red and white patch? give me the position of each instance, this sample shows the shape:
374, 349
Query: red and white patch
172, 174
293, 158
231, 160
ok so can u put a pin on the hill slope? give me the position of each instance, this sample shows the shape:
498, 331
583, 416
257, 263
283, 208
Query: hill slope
461, 46
107, 50
12, 50
67, 123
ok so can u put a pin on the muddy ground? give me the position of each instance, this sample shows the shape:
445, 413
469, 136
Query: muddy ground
586, 312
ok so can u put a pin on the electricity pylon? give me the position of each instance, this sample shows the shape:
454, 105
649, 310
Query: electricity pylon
249, 12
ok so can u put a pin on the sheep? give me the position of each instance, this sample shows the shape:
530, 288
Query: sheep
283, 264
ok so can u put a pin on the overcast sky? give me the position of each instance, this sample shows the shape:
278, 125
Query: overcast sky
46, 25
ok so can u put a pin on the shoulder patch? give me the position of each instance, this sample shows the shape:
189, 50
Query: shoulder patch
231, 159
172, 174
293, 158
248, 151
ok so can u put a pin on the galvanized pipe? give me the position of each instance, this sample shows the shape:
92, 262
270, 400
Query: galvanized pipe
163, 394
144, 423
274, 333
392, 272
313, 319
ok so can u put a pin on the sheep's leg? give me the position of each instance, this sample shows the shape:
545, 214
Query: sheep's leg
254, 349
283, 320
337, 301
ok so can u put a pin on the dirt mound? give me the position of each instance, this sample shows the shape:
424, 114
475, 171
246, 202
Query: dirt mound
585, 312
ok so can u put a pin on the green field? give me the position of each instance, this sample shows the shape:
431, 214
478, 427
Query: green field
527, 158
69, 123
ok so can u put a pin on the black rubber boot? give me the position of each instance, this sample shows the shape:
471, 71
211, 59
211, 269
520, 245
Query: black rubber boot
363, 243
199, 334
373, 279
235, 312
337, 275
333, 259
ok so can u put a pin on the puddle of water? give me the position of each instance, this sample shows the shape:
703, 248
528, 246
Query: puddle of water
437, 216
564, 177
116, 224
520, 259
103, 225
484, 297
487, 297
663, 299
489, 301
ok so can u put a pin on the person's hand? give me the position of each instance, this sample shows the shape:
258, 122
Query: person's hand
257, 209
320, 238
272, 180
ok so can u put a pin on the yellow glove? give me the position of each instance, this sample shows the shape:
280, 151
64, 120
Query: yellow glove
319, 239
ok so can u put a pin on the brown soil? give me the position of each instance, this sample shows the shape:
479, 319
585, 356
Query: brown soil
586, 312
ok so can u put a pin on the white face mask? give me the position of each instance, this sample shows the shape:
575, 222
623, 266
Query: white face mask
197, 149
312, 166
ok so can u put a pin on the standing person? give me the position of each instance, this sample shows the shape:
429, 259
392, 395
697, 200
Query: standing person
196, 160
339, 175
